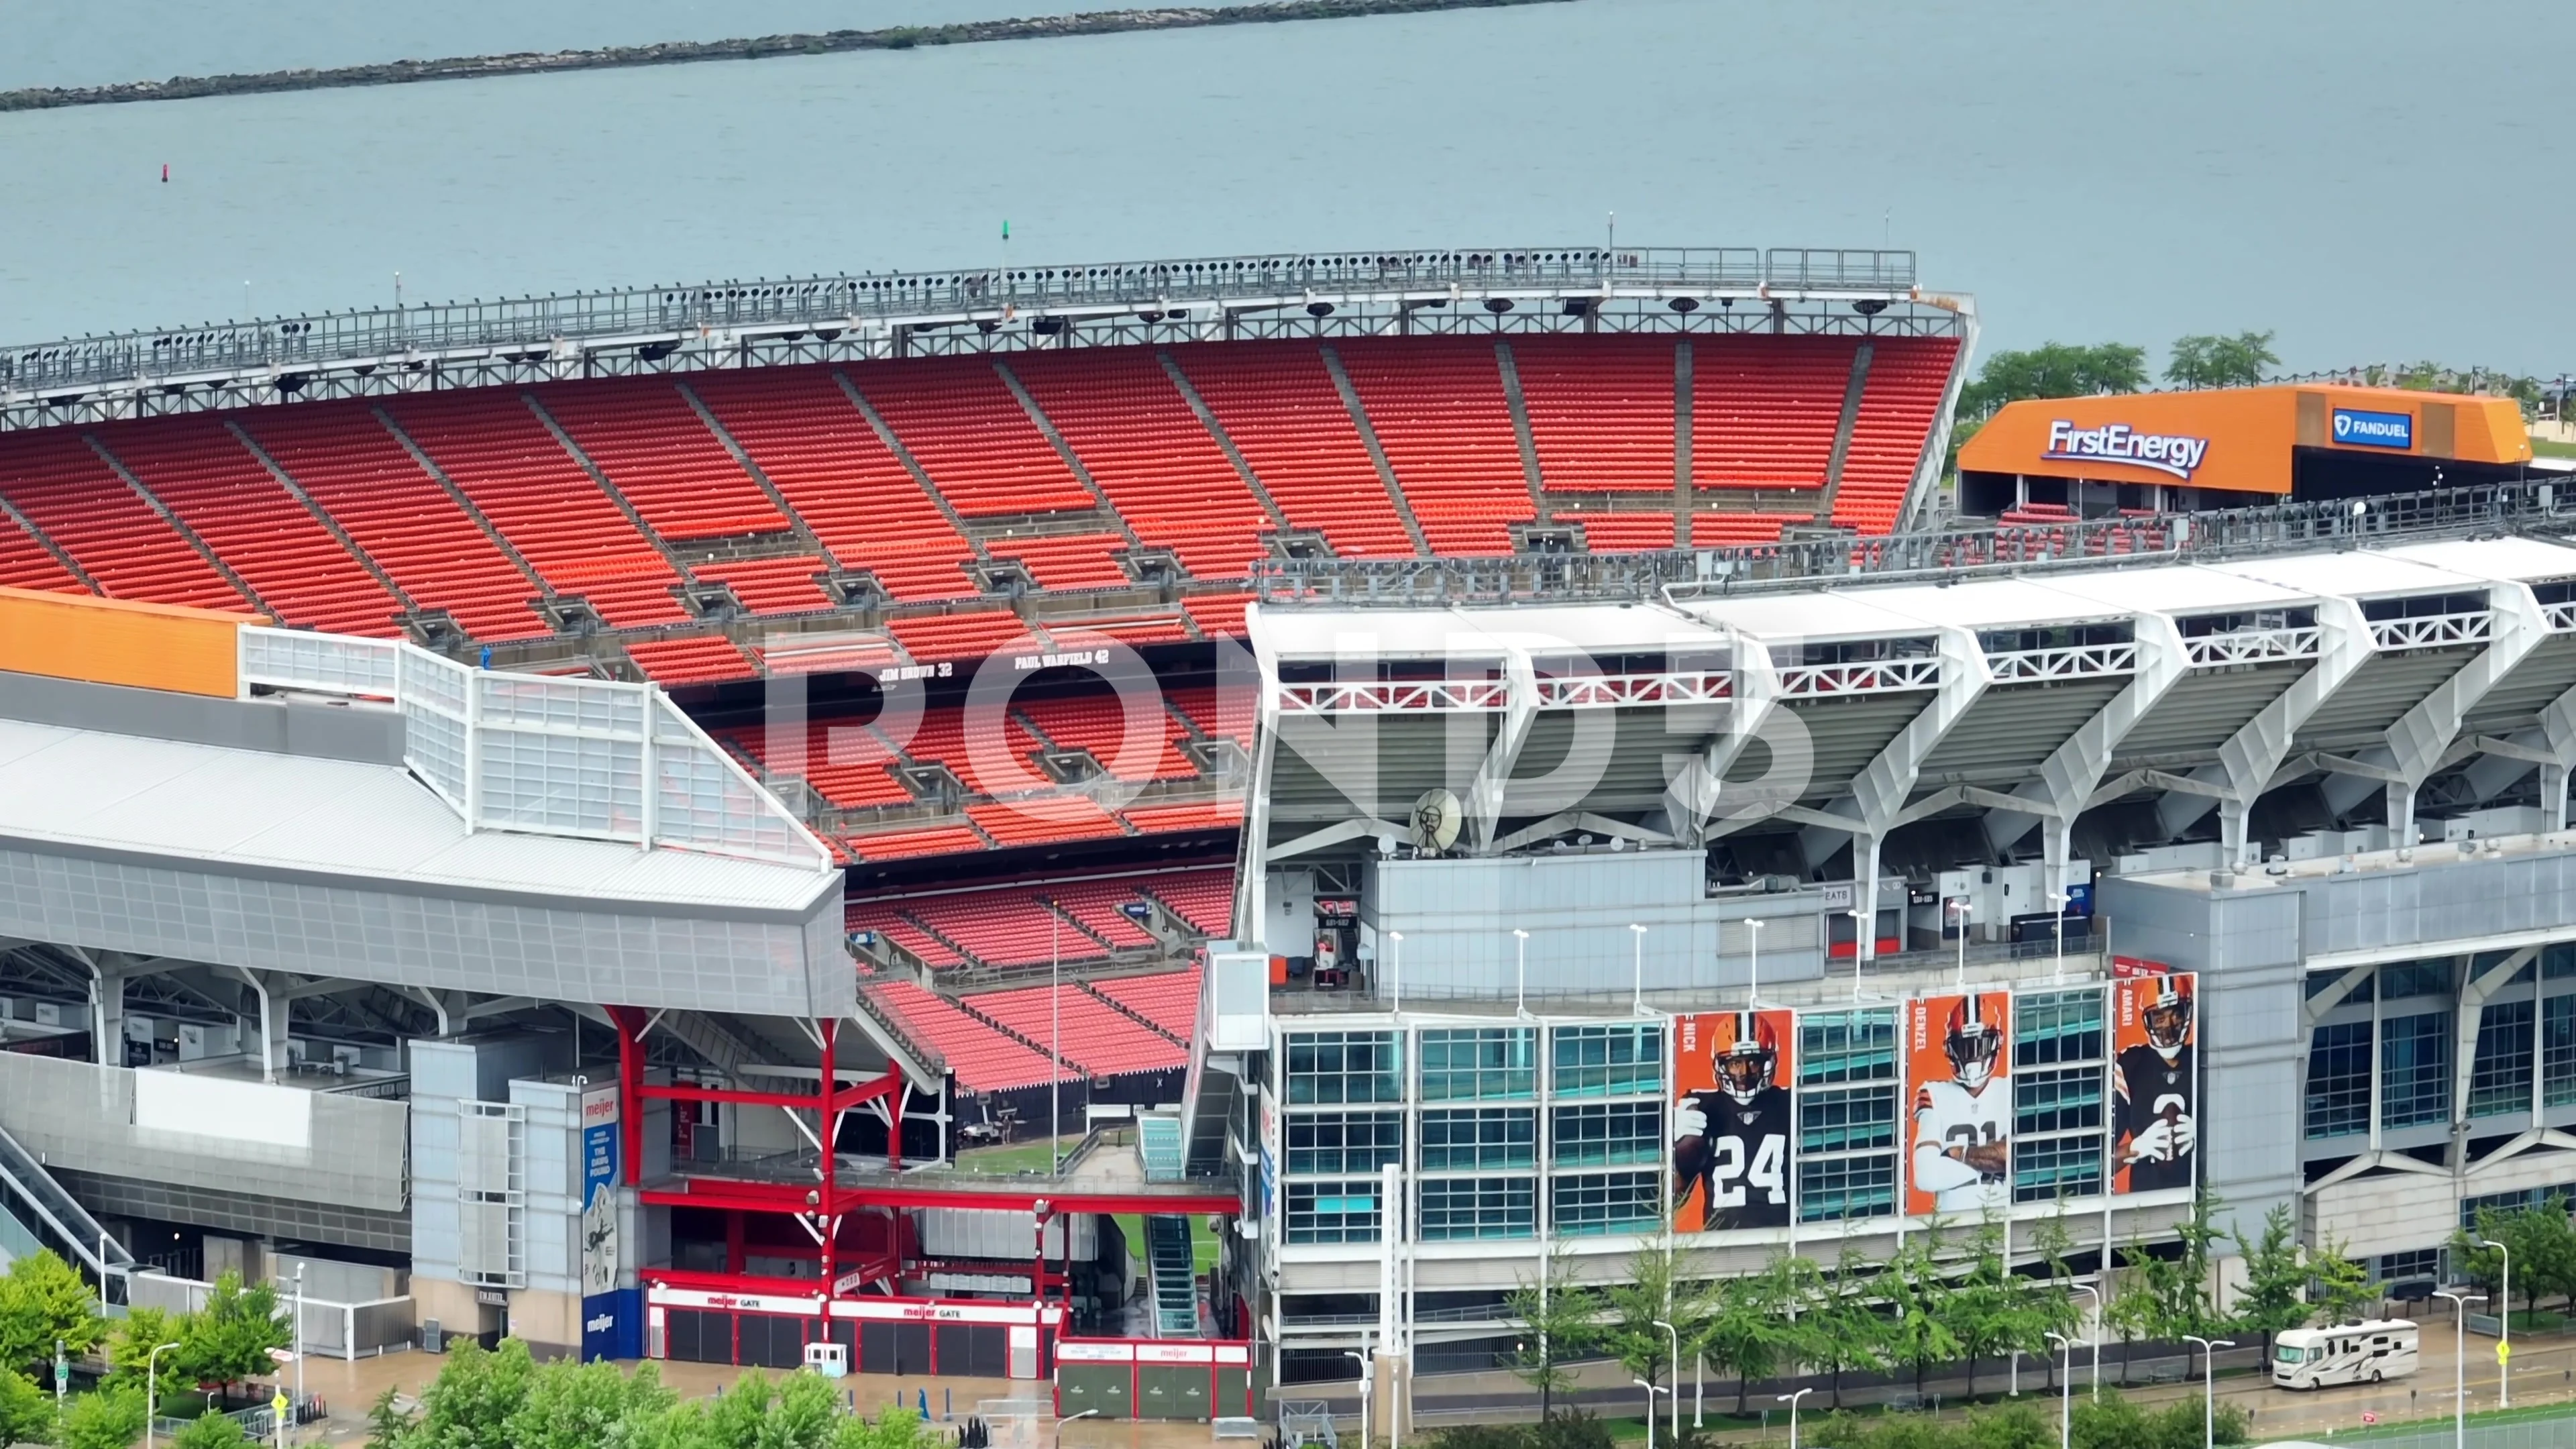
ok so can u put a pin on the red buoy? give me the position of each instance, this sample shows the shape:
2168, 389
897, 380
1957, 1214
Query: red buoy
165, 173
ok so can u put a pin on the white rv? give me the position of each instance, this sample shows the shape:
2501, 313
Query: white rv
2346, 1353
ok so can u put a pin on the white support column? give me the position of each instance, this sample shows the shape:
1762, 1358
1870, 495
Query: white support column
272, 1023
2257, 750
2420, 741
1494, 770
1698, 781
1880, 790
2465, 1022
2068, 777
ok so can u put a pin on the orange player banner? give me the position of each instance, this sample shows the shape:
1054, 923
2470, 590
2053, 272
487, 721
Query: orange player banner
2155, 1082
1730, 1128
1958, 1061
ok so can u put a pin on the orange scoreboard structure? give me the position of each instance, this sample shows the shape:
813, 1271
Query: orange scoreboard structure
2233, 446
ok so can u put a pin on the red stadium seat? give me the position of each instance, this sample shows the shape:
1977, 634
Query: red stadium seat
1169, 1001
345, 460
1143, 444
1278, 404
24, 563
1437, 406
1600, 412
660, 454
491, 444
979, 446
1899, 402
694, 659
61, 485
218, 488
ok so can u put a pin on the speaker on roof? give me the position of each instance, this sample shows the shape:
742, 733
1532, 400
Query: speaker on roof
1684, 304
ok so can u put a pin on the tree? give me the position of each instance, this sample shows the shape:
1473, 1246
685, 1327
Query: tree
2206, 361
2053, 369
388, 1421
1557, 1320
130, 1344
1916, 1289
1747, 1329
44, 1300
1653, 1293
470, 1403
210, 1431
2540, 1240
1839, 1327
2276, 1278
26, 1412
229, 1339
900, 1428
110, 1418
2339, 1286
572, 1405
2134, 1310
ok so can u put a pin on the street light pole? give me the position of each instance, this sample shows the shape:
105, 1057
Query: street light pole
1651, 1391
2065, 1392
299, 1338
2209, 1348
1792, 1401
1395, 971
2459, 1363
1361, 1354
1861, 947
1963, 943
152, 1389
2089, 1291
1677, 1376
1055, 1047
2504, 1327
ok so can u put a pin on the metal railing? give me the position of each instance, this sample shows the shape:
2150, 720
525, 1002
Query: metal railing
567, 323
2432, 631
2073, 661
2250, 646
1842, 681
1682, 575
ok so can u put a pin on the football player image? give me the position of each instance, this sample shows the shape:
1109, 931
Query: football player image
1731, 1143
1962, 1127
2154, 1112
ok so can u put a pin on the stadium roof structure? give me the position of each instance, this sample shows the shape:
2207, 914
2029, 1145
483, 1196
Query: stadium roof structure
2017, 681
684, 328
196, 787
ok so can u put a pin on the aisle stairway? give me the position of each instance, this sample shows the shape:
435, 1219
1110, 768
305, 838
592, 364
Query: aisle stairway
1169, 1261
29, 1193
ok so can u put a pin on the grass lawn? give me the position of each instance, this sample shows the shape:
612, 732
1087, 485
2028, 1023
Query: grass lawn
2544, 449
1017, 1158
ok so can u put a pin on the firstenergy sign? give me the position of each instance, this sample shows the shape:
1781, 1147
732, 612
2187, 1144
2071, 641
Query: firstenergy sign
2174, 453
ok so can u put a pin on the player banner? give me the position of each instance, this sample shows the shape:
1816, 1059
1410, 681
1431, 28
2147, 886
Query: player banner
1958, 1062
1730, 1127
2155, 1082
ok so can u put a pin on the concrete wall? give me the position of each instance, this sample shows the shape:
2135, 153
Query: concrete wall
560, 949
80, 1116
271, 726
1457, 917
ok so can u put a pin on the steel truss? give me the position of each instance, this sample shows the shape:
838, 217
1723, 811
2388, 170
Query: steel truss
1504, 291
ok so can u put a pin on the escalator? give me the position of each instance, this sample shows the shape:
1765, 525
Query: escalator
36, 1203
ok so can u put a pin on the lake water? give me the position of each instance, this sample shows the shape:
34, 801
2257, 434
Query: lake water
2373, 180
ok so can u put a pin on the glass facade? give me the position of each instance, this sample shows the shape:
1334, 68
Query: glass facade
2500, 1073
1338, 1142
1469, 1138
1609, 1134
1344, 1066
1479, 1207
1609, 1061
1847, 1128
2058, 1086
1480, 1064
2338, 1096
1606, 1202
2415, 1069
2558, 1050
1333, 1212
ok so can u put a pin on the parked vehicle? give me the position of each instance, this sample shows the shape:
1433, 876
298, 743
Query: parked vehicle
2367, 1352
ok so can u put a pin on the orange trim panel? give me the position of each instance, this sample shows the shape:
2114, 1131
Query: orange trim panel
120, 641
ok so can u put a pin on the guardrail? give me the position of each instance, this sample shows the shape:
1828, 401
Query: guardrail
551, 325
1679, 575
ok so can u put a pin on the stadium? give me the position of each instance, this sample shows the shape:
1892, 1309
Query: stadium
1395, 774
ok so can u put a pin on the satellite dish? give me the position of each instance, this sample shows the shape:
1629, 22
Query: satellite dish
1436, 818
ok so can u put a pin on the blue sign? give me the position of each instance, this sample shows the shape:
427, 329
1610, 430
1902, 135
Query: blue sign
2354, 428
612, 1325
611, 1318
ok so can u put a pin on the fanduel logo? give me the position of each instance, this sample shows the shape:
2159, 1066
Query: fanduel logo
2119, 443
